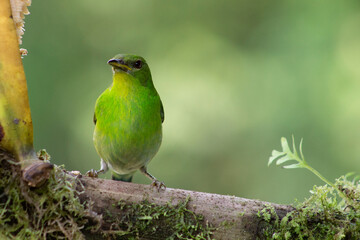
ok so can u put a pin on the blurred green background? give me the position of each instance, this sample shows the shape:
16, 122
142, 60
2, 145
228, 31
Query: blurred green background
234, 77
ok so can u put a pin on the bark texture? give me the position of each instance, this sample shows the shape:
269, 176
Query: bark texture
233, 217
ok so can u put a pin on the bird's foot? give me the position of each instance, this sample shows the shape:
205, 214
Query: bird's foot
92, 173
158, 185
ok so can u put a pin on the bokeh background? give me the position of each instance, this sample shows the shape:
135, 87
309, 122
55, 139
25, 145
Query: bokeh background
234, 77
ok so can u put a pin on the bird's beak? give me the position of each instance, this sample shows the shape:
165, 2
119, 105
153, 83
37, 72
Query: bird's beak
118, 63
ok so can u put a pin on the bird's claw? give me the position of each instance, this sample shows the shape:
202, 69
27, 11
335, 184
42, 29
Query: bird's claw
158, 185
92, 173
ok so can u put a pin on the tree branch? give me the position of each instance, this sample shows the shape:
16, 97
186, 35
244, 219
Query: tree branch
232, 217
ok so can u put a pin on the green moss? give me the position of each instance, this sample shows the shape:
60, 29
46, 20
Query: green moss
321, 216
146, 220
52, 211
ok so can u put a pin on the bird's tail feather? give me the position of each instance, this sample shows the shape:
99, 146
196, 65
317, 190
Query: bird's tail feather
124, 177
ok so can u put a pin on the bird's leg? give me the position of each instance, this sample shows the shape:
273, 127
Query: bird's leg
156, 183
103, 169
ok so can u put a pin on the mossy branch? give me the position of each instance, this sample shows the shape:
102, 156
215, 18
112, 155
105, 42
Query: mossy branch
228, 217
78, 207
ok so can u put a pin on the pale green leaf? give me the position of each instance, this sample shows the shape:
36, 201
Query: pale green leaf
349, 174
275, 155
285, 145
301, 152
294, 147
295, 165
284, 159
271, 159
356, 178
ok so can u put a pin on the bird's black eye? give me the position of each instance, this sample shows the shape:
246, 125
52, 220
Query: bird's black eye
138, 64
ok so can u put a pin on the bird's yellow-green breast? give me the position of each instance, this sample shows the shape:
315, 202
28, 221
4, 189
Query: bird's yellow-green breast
128, 117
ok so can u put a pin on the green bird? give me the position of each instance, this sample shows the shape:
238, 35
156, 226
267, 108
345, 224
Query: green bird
128, 120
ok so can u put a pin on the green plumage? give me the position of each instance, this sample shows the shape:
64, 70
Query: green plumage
128, 119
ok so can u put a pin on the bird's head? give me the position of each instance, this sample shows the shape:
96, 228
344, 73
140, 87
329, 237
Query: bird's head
134, 65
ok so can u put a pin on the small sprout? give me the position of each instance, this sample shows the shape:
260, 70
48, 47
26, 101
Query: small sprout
287, 155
